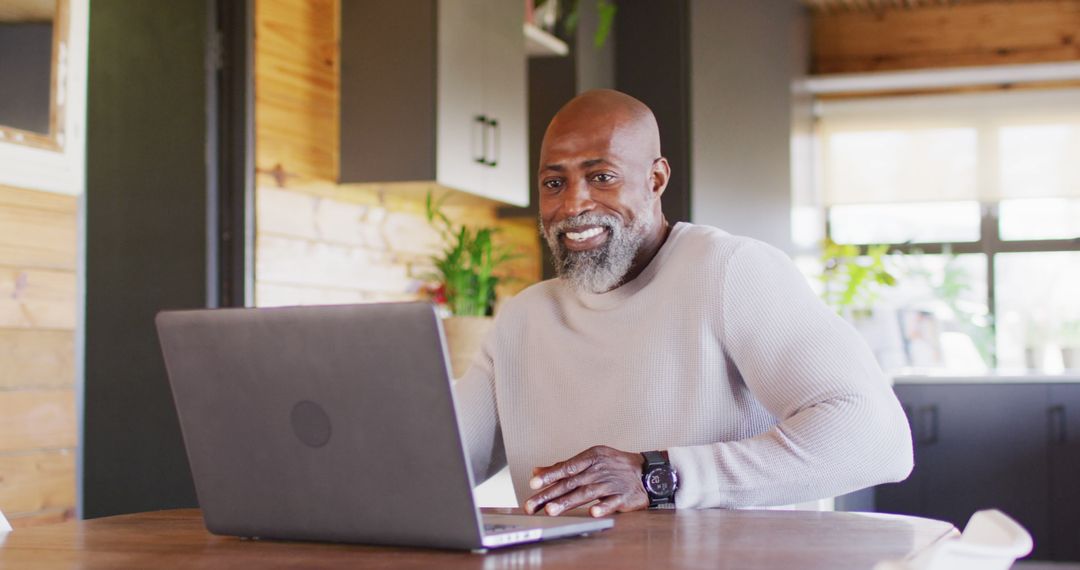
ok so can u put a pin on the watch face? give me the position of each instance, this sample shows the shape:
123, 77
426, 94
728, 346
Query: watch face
660, 482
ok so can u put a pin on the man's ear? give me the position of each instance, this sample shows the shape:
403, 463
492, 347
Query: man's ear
659, 176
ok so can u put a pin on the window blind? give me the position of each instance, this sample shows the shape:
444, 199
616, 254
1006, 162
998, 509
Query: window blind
981, 147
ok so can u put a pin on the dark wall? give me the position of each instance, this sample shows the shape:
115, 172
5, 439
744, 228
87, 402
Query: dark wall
652, 63
551, 85
146, 243
746, 54
26, 75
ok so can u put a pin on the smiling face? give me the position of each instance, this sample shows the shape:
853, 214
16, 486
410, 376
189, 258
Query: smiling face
601, 177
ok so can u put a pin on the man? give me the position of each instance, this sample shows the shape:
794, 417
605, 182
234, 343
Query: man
696, 356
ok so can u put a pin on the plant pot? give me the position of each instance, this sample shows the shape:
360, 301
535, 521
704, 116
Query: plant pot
1033, 357
464, 335
1070, 356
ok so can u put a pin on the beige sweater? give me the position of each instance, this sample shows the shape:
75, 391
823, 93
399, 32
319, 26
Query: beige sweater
717, 352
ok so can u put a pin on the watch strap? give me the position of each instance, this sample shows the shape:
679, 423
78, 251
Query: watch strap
653, 459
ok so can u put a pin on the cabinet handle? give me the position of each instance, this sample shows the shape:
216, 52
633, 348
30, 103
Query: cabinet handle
493, 156
1056, 428
928, 424
481, 122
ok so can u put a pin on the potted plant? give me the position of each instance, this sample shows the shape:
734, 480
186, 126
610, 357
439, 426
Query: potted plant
851, 282
950, 287
1037, 336
1070, 344
464, 282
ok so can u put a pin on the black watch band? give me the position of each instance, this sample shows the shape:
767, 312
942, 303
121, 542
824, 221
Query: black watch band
659, 479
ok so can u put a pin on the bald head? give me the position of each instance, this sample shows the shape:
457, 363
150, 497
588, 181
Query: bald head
612, 113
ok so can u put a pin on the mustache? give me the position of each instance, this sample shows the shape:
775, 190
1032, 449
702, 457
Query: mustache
581, 220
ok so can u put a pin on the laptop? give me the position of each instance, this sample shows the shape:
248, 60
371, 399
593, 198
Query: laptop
332, 423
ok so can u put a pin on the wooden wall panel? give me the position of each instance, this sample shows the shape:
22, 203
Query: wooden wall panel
23, 198
296, 87
32, 420
936, 36
37, 482
37, 229
36, 358
38, 260
37, 298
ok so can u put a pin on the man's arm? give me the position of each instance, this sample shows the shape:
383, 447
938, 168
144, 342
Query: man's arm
841, 427
478, 416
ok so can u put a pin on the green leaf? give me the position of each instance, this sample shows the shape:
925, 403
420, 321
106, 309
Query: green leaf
606, 11
467, 263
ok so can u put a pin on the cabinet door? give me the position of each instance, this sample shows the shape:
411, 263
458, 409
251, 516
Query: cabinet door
506, 102
460, 95
906, 497
1063, 425
987, 449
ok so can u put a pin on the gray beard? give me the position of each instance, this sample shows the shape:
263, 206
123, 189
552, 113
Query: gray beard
601, 269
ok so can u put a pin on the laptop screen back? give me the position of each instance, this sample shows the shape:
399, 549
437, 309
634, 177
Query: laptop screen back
331, 423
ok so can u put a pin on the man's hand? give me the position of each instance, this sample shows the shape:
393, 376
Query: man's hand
599, 473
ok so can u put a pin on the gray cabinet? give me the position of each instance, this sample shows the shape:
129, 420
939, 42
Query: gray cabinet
906, 497
1064, 440
1004, 446
433, 91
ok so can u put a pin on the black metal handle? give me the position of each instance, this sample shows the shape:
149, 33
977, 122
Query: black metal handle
481, 157
493, 157
1056, 427
928, 424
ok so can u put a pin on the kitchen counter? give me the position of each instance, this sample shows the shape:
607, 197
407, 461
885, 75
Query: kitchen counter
1002, 377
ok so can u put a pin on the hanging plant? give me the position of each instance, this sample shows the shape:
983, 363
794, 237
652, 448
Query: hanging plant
567, 14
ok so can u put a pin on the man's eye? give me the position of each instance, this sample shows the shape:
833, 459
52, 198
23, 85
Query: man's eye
553, 184
603, 178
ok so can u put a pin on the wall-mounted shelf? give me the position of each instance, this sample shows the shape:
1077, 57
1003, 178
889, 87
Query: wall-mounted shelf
539, 43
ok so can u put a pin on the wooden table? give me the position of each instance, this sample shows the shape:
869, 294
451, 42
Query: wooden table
646, 539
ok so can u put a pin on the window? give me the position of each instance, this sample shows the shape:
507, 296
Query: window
978, 196
1038, 310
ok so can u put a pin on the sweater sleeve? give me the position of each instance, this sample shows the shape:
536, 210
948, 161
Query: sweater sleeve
478, 417
840, 427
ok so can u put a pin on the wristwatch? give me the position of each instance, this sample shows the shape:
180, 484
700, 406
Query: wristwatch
659, 478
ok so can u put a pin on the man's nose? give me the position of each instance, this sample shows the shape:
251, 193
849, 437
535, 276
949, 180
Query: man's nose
577, 199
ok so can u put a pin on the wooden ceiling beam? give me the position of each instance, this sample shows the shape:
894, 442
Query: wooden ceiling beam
943, 33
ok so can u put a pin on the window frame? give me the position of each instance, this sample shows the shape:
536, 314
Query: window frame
989, 244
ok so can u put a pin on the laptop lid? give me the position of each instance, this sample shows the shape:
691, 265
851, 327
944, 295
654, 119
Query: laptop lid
332, 423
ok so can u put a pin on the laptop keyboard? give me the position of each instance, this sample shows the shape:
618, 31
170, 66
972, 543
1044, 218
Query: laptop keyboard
500, 527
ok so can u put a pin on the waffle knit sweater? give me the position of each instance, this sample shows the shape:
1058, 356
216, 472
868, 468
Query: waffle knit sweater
718, 352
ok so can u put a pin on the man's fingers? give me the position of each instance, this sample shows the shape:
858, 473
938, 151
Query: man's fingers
578, 497
545, 476
597, 473
607, 506
560, 488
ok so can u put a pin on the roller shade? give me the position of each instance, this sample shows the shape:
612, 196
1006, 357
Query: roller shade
972, 147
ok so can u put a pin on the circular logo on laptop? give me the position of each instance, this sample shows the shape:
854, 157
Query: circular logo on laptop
310, 423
